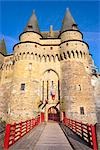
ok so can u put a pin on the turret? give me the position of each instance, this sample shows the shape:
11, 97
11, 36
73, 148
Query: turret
69, 29
3, 47
77, 92
24, 78
72, 45
31, 31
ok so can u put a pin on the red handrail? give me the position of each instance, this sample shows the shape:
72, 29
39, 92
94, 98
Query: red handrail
14, 132
85, 131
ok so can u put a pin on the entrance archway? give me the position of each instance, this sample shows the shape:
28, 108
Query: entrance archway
53, 114
50, 86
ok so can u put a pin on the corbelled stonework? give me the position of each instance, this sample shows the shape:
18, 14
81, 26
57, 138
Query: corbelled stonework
48, 71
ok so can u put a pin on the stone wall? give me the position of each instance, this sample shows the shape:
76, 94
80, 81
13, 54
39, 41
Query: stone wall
32, 58
76, 91
5, 93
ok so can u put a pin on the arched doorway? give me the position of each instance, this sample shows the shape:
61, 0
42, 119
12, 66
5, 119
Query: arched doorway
53, 114
50, 86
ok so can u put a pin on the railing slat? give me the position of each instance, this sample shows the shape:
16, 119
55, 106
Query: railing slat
15, 131
85, 131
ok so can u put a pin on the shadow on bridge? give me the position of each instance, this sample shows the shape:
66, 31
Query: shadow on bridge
76, 142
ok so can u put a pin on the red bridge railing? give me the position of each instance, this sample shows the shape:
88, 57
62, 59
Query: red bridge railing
16, 131
85, 131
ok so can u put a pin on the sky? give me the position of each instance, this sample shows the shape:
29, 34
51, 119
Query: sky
14, 16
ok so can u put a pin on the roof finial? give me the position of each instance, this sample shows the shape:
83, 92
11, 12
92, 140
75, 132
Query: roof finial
67, 9
33, 11
51, 31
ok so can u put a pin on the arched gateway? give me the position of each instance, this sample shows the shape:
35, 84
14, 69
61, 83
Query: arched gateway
53, 114
50, 95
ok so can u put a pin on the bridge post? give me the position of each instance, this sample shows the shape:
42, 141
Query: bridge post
7, 136
94, 139
98, 134
98, 116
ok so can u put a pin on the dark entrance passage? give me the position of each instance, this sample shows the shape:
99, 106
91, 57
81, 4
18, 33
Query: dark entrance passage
53, 114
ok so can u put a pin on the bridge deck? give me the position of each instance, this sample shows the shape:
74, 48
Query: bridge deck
52, 138
44, 137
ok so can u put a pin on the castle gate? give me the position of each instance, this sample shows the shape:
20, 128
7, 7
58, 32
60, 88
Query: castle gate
50, 86
53, 114
50, 94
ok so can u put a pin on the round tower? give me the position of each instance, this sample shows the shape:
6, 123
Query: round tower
76, 90
25, 88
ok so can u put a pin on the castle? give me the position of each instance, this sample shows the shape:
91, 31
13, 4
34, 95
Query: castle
48, 72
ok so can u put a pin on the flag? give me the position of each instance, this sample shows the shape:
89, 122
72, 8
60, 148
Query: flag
52, 92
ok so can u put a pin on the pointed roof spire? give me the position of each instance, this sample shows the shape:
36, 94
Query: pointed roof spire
32, 24
68, 22
3, 49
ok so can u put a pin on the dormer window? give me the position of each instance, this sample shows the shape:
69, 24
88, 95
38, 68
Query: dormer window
30, 26
74, 26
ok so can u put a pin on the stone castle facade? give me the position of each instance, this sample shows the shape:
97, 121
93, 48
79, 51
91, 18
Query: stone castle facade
48, 72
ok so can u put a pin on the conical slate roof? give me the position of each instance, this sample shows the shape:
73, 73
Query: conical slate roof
3, 47
32, 24
68, 22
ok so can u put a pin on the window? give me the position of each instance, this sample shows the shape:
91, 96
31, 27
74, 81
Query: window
30, 26
30, 67
66, 44
82, 110
22, 86
74, 26
51, 48
79, 87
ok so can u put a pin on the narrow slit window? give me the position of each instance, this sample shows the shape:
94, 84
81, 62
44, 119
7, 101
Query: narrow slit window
82, 110
42, 90
23, 87
79, 87
30, 66
47, 90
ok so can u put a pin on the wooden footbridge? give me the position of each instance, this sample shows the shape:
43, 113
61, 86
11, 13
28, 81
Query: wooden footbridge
35, 134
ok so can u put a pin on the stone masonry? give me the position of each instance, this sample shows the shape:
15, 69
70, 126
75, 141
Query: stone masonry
48, 70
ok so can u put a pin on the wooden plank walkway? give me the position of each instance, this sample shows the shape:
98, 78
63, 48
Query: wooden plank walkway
52, 138
28, 141
44, 137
